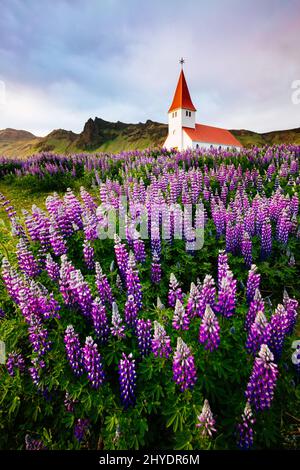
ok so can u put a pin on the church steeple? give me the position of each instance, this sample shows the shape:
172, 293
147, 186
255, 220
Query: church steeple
182, 98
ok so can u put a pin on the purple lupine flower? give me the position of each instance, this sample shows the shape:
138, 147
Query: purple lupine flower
15, 361
127, 379
207, 295
103, 286
266, 239
256, 305
81, 429
247, 249
34, 444
36, 369
69, 403
184, 371
121, 256
133, 283
57, 242
262, 382
223, 266
92, 362
88, 254
253, 282
139, 251
73, 350
245, 432
175, 291
283, 227
291, 308
209, 332
279, 324
131, 311
194, 302
52, 268
73, 208
181, 320
99, 319
38, 336
227, 296
259, 333
206, 422
143, 333
155, 269
26, 260
117, 328
161, 342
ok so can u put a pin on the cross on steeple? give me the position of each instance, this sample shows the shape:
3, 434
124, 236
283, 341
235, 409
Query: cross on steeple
181, 61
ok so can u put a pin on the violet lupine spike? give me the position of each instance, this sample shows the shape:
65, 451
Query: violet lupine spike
57, 242
262, 382
26, 260
256, 305
38, 336
131, 311
223, 266
81, 429
161, 342
73, 350
103, 286
193, 305
73, 208
117, 328
291, 308
184, 371
227, 296
52, 268
253, 283
34, 444
127, 380
139, 250
121, 256
283, 227
143, 333
209, 332
100, 321
266, 239
245, 431
206, 422
175, 291
69, 403
92, 362
155, 269
207, 295
88, 254
133, 283
259, 333
35, 371
15, 361
181, 320
247, 249
279, 326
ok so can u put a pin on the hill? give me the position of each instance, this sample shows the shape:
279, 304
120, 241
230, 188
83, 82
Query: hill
99, 135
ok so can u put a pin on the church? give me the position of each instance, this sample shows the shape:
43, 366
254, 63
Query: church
185, 133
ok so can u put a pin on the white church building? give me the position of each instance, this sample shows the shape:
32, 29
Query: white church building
185, 133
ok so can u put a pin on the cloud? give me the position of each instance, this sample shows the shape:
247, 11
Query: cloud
64, 61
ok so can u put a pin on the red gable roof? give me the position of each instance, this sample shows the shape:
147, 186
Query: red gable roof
212, 135
182, 97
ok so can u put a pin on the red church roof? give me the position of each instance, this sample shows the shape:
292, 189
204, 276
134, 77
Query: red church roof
212, 135
182, 97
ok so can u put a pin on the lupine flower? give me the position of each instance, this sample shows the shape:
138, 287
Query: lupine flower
69, 403
161, 342
57, 242
103, 286
88, 254
181, 319
262, 383
139, 251
52, 268
223, 266
133, 283
279, 324
256, 305
209, 332
266, 239
194, 302
99, 319
15, 361
36, 369
33, 444
81, 429
207, 295
291, 308
117, 328
206, 422
247, 249
131, 311
283, 227
184, 371
73, 350
175, 291
26, 260
143, 332
92, 362
127, 379
245, 432
38, 336
253, 282
227, 296
259, 333
121, 256
155, 269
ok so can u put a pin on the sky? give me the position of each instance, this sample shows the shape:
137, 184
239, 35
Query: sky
64, 61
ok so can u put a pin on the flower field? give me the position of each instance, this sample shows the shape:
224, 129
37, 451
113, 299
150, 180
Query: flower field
182, 339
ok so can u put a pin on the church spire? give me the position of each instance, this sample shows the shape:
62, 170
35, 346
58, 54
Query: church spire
182, 98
